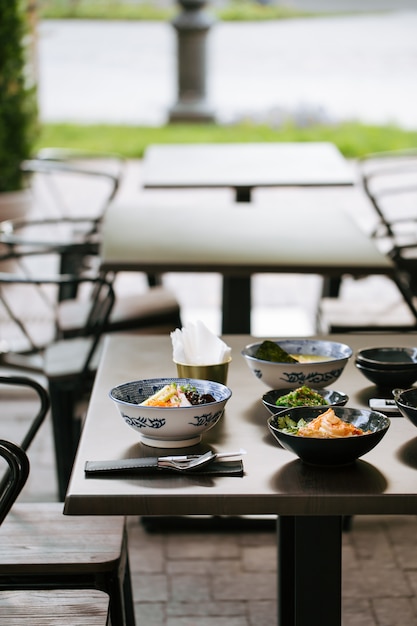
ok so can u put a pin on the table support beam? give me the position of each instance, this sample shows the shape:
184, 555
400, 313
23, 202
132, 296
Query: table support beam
237, 291
309, 570
236, 305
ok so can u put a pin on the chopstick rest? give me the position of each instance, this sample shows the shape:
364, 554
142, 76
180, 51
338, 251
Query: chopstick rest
149, 465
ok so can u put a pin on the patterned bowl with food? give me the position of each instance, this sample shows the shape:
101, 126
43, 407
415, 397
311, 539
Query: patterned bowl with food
291, 363
170, 412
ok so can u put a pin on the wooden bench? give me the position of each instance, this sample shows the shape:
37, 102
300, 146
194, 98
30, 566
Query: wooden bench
41, 546
54, 608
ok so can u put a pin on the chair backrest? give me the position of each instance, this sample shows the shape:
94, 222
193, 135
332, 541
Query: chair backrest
69, 182
18, 310
102, 302
16, 476
40, 236
390, 181
22, 383
14, 479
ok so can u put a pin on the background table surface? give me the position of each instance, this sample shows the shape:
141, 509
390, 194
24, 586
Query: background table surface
275, 482
239, 239
245, 165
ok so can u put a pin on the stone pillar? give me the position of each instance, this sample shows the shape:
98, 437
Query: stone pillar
192, 26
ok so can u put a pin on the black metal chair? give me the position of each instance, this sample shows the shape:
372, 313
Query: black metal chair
69, 229
15, 477
39, 606
68, 363
389, 180
33, 535
75, 183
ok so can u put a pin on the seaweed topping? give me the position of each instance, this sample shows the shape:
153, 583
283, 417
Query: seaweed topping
270, 351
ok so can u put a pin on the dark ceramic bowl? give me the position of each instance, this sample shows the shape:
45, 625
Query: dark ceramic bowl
389, 379
332, 452
406, 401
388, 358
332, 397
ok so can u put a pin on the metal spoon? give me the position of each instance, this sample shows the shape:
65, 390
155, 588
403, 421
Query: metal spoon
192, 462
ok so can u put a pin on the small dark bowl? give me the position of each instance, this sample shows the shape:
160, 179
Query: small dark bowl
388, 358
389, 379
406, 401
332, 452
333, 398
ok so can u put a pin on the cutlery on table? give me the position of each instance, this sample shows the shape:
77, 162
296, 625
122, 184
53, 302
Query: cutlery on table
196, 460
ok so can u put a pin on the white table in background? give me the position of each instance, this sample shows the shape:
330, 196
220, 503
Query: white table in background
237, 241
245, 166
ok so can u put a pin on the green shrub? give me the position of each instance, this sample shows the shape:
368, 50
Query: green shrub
18, 109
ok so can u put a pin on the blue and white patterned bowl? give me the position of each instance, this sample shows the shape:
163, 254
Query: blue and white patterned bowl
169, 427
314, 374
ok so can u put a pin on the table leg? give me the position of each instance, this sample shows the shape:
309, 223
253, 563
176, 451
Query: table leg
243, 194
309, 571
237, 301
236, 305
331, 287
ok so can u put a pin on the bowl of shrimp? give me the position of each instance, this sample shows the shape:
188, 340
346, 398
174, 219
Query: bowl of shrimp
335, 436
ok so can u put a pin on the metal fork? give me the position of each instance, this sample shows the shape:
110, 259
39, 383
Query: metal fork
184, 464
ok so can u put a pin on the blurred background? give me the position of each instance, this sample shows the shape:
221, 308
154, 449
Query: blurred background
106, 77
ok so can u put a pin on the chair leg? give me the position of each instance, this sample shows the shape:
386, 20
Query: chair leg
119, 588
71, 263
128, 596
66, 430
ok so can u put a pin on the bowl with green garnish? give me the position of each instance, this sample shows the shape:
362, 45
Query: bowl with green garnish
292, 363
328, 437
277, 399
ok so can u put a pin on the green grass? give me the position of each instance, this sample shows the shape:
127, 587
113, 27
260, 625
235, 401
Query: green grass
248, 10
102, 10
235, 10
353, 139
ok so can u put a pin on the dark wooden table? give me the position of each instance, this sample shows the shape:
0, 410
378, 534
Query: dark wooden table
310, 502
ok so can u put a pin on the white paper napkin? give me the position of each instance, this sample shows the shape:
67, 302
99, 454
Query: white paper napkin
195, 344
